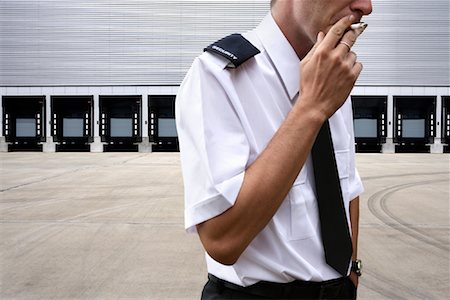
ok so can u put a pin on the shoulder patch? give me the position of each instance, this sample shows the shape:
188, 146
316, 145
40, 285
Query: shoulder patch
234, 48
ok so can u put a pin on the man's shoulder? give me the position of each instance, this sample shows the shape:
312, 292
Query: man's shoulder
231, 51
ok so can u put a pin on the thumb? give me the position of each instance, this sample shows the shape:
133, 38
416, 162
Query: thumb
320, 37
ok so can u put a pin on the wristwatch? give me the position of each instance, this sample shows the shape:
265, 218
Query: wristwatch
357, 267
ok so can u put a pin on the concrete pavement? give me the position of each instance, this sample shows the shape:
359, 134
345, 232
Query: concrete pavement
110, 226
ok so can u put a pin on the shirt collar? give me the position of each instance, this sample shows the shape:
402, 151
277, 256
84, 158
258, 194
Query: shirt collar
281, 53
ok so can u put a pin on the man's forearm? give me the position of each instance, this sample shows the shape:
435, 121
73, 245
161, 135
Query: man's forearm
266, 183
354, 220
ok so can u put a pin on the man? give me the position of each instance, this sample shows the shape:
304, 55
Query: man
248, 114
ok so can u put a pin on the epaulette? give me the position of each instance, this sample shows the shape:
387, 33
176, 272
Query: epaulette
234, 48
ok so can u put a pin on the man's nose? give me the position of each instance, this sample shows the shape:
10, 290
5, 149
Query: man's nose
364, 6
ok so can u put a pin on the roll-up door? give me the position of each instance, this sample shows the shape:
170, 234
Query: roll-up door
162, 128
120, 122
446, 123
415, 122
24, 122
370, 122
72, 122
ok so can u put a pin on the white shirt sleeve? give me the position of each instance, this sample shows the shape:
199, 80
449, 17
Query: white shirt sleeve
214, 147
356, 187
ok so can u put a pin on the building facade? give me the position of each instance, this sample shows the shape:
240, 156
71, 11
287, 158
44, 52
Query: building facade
97, 75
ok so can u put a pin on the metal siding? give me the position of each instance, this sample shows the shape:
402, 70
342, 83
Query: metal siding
150, 42
407, 43
112, 42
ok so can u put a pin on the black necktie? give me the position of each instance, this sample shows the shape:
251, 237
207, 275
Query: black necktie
336, 238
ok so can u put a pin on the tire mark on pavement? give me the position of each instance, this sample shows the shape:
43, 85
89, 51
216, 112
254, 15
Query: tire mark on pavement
40, 235
44, 179
392, 289
377, 204
404, 175
69, 172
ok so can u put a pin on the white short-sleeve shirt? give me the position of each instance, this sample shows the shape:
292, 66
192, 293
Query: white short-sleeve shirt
225, 119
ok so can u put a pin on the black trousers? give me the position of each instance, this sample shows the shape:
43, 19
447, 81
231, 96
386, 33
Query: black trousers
341, 288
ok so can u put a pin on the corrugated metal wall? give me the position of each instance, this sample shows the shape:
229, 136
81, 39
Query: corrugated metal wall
407, 43
113, 42
152, 42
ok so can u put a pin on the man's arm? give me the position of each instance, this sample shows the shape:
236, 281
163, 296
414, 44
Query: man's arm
328, 75
354, 220
266, 183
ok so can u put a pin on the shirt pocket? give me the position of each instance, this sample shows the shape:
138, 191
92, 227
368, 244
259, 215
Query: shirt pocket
300, 226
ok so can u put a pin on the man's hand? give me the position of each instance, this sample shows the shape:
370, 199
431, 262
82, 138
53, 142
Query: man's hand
329, 71
354, 278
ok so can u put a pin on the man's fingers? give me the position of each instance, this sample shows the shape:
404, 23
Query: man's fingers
351, 58
337, 32
348, 40
356, 70
320, 37
346, 43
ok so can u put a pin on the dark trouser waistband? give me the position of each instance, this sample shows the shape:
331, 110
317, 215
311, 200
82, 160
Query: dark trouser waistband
332, 289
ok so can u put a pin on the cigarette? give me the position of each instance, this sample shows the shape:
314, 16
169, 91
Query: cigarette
360, 25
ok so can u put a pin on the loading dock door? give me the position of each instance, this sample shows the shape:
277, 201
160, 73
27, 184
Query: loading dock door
120, 119
414, 120
121, 127
162, 128
72, 122
446, 122
26, 126
370, 122
24, 122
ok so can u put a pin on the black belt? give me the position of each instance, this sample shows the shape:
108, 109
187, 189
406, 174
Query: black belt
275, 290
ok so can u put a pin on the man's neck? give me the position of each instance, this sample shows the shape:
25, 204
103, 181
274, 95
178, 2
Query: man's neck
296, 37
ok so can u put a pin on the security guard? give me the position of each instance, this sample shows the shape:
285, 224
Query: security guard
267, 153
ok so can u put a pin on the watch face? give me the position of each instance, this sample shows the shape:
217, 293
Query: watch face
357, 267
